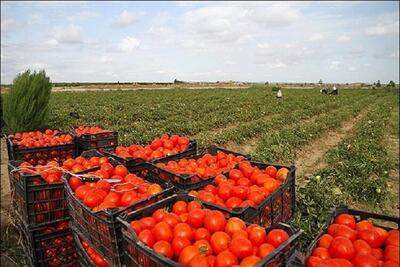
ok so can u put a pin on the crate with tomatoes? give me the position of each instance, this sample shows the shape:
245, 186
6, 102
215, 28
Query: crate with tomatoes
180, 231
198, 170
97, 197
94, 137
167, 147
87, 255
40, 147
354, 238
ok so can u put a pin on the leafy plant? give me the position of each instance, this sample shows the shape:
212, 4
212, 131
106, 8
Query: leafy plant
26, 104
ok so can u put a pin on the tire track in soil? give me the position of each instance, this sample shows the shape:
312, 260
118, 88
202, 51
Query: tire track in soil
311, 157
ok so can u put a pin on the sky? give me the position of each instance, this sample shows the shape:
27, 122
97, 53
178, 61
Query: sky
201, 41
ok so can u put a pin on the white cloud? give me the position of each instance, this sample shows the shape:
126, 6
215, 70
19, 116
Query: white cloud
70, 34
263, 45
279, 64
390, 28
106, 59
83, 15
344, 38
335, 65
352, 68
127, 18
316, 37
129, 44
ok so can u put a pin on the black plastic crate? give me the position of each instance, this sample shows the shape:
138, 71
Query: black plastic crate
138, 163
36, 202
279, 206
189, 181
41, 155
384, 221
83, 257
47, 246
105, 141
101, 229
138, 254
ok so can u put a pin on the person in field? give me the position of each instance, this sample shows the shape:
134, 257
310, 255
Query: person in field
279, 94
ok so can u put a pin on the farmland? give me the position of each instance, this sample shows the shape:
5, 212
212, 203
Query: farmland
356, 131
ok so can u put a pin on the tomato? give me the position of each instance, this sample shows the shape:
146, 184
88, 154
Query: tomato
391, 253
171, 218
240, 233
113, 197
250, 261
202, 234
196, 218
235, 174
271, 171
136, 226
265, 249
321, 252
225, 191
257, 235
159, 214
162, 231
146, 237
219, 241
342, 247
325, 240
276, 237
364, 225
345, 231
233, 202
148, 222
204, 247
377, 253
382, 233
362, 247
103, 184
234, 224
281, 174
215, 221
240, 192
332, 228
219, 179
393, 238
225, 259
241, 247
179, 207
108, 168
179, 243
74, 182
192, 205
184, 230
120, 170
92, 199
347, 220
365, 260
187, 254
371, 237
243, 182
128, 198
313, 261
256, 196
164, 248
199, 261
154, 189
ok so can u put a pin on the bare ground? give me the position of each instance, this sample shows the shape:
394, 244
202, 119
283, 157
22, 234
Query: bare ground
311, 157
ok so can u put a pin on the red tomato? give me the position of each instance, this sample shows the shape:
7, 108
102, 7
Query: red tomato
215, 221
179, 243
240, 192
196, 218
225, 259
187, 254
265, 249
276, 237
235, 174
162, 231
136, 226
128, 198
347, 220
225, 191
164, 248
233, 202
257, 235
159, 214
371, 237
325, 241
362, 247
377, 253
241, 247
313, 261
250, 261
391, 253
271, 171
321, 252
256, 196
199, 261
202, 234
120, 170
204, 247
345, 231
148, 222
219, 241
342, 247
183, 230
332, 228
234, 224
74, 182
171, 218
192, 205
365, 260
146, 237
179, 207
393, 238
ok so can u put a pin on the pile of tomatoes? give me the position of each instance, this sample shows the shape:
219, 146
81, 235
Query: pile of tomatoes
245, 186
194, 236
89, 130
51, 172
40, 139
80, 164
94, 256
204, 167
358, 244
160, 147
124, 189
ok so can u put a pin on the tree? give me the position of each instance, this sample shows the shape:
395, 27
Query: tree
26, 103
320, 82
392, 84
378, 83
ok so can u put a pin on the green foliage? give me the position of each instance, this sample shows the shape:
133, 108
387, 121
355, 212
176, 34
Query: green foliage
26, 103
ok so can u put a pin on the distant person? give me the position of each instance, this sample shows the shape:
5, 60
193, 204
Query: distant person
279, 94
323, 91
334, 90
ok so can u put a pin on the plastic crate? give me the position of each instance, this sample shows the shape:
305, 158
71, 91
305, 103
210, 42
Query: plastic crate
384, 221
83, 258
45, 248
101, 229
41, 155
101, 141
186, 181
138, 254
36, 202
137, 163
277, 207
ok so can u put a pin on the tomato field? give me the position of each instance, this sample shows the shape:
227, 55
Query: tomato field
345, 147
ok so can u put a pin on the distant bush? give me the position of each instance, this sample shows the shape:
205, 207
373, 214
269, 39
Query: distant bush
26, 103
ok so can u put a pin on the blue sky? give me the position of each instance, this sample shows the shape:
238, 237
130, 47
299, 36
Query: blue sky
202, 41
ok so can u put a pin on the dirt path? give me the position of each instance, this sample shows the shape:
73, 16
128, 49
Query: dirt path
311, 157
5, 185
